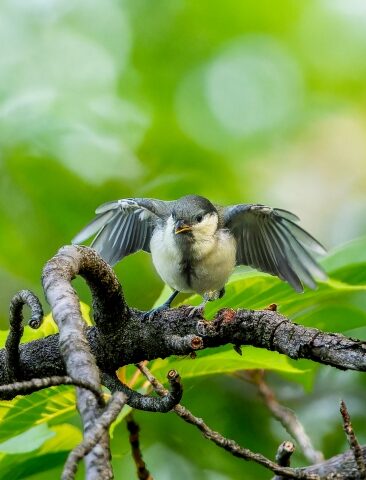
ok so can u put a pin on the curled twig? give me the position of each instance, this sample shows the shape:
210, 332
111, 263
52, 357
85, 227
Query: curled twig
24, 297
144, 402
134, 429
93, 437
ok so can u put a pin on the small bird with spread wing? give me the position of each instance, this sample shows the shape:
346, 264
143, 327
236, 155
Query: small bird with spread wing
195, 245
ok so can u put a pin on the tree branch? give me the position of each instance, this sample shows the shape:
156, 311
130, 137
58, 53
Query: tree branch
158, 338
30, 386
284, 452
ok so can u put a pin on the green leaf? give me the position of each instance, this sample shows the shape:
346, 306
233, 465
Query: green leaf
353, 274
51, 454
65, 438
121, 416
352, 252
164, 295
52, 406
20, 467
27, 441
224, 361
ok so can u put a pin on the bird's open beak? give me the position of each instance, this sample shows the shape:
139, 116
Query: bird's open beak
181, 227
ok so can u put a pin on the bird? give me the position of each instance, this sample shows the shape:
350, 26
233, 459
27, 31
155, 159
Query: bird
195, 244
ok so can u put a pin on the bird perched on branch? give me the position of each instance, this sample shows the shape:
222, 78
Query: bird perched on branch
196, 244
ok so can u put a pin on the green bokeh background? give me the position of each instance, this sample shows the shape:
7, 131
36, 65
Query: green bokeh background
261, 102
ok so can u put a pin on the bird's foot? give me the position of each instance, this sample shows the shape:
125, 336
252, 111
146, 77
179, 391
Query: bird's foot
150, 314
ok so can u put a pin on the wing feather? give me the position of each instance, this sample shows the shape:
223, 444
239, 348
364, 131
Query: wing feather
269, 239
303, 236
94, 226
124, 226
300, 267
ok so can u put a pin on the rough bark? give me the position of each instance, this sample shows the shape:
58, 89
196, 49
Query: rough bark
174, 333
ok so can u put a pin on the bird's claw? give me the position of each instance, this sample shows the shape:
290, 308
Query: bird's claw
151, 314
197, 311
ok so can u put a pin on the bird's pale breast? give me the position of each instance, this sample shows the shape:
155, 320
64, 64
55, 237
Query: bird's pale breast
210, 261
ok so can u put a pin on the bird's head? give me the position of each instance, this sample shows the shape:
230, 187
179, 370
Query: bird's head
194, 216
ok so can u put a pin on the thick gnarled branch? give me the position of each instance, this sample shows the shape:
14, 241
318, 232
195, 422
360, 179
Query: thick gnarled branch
157, 338
75, 349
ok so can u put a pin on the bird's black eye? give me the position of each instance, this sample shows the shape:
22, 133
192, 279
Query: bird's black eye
199, 218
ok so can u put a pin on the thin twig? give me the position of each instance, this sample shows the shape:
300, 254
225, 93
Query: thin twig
352, 440
284, 415
134, 429
219, 439
30, 386
94, 435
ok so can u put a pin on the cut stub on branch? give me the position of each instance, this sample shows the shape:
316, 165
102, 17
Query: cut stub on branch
283, 456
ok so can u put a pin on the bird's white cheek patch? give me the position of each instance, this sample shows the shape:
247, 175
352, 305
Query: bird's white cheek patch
208, 226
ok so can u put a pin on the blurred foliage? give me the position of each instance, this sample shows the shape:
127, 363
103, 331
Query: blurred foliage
238, 101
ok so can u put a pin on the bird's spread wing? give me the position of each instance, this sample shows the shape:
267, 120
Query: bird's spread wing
123, 227
270, 239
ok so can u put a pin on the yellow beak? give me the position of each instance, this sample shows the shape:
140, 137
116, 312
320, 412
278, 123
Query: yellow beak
183, 228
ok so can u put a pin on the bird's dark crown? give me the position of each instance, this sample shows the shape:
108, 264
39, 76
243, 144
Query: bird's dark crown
192, 206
